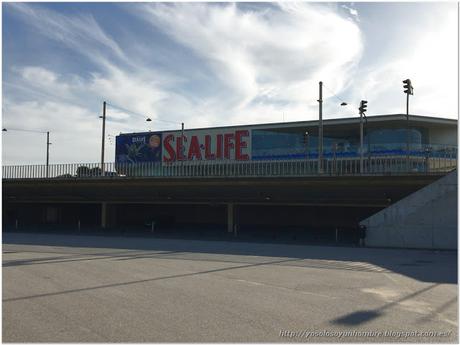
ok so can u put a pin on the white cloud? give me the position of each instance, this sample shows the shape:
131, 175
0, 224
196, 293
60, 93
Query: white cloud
429, 60
261, 63
285, 50
73, 134
69, 107
78, 32
352, 11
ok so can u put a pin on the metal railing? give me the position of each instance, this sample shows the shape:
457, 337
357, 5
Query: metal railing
332, 166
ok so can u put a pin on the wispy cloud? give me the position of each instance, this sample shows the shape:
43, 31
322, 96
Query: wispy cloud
429, 60
277, 54
80, 32
211, 64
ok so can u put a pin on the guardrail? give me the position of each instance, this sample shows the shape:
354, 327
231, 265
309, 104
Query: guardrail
335, 166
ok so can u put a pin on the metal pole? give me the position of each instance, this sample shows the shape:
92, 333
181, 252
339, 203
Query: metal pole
182, 141
407, 132
103, 137
334, 166
361, 143
320, 129
307, 142
47, 153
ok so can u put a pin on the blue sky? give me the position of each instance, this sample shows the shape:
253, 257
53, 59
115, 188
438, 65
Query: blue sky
211, 64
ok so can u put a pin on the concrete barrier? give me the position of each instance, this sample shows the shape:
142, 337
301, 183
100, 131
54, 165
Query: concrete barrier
426, 218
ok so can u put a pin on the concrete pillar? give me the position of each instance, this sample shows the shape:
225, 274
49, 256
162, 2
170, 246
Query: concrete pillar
104, 215
111, 215
230, 217
108, 215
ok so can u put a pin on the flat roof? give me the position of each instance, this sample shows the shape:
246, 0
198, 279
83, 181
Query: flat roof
334, 121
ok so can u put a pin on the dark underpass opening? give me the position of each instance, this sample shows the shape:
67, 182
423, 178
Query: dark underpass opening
170, 219
51, 216
273, 223
304, 224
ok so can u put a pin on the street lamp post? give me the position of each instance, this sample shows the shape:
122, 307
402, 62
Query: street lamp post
104, 106
320, 128
47, 143
47, 153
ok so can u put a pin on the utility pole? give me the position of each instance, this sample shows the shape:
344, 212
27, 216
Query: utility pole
320, 129
104, 105
47, 153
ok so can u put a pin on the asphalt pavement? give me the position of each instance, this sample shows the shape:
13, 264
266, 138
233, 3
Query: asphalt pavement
66, 288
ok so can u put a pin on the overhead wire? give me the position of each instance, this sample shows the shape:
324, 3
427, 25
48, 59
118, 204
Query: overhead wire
24, 130
137, 114
340, 99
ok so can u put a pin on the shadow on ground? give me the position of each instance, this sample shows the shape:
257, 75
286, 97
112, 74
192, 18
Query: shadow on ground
423, 265
362, 316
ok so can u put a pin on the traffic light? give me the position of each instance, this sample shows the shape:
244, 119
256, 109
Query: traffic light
408, 88
363, 107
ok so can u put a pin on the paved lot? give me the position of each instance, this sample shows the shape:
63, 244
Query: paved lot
95, 289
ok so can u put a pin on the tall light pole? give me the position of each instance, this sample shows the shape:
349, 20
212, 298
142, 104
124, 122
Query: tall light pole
362, 110
409, 90
320, 128
182, 144
47, 153
47, 143
104, 106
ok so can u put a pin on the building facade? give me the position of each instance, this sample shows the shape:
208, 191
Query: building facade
382, 135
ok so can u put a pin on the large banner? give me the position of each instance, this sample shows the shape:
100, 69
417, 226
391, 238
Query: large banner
207, 145
171, 147
138, 148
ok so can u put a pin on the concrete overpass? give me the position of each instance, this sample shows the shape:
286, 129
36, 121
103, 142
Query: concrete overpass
316, 201
227, 196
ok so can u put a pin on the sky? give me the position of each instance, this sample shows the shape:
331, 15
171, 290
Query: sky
212, 64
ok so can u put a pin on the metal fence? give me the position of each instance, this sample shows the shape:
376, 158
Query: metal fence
331, 166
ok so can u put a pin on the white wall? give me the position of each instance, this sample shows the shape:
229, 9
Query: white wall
424, 219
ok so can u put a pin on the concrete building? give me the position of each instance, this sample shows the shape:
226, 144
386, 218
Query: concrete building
265, 181
384, 134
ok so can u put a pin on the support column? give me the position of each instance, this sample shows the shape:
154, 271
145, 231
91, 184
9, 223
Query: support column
230, 217
104, 215
111, 215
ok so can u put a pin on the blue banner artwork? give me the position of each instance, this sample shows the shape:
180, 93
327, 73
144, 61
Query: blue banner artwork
140, 147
